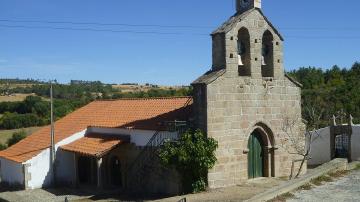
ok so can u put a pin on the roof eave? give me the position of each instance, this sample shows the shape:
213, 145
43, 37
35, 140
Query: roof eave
294, 81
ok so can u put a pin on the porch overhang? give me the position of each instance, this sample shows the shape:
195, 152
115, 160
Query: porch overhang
95, 145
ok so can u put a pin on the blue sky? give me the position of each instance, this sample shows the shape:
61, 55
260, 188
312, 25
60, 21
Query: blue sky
317, 33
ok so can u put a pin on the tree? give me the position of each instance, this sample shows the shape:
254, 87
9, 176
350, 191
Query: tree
299, 137
16, 137
193, 155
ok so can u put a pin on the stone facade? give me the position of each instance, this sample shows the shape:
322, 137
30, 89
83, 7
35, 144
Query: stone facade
231, 105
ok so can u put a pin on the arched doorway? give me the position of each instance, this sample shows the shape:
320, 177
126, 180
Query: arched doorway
115, 171
261, 152
255, 156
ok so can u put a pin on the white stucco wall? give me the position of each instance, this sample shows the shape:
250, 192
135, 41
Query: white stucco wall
11, 172
39, 170
39, 166
320, 151
355, 143
65, 168
137, 137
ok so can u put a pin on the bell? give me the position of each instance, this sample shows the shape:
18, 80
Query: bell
240, 61
263, 61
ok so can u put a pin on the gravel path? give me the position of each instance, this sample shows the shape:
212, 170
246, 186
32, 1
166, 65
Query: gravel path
344, 189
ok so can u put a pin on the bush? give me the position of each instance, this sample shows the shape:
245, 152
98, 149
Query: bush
15, 120
16, 137
193, 155
2, 146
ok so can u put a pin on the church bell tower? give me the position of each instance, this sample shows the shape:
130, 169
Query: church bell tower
244, 5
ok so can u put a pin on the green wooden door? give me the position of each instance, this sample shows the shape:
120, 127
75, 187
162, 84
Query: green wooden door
255, 156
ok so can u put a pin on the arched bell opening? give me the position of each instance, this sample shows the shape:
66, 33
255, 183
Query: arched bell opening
261, 155
267, 59
243, 49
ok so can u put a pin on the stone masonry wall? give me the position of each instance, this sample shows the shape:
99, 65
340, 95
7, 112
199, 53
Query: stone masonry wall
235, 104
256, 25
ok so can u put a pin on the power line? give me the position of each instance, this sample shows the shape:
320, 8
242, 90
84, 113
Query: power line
165, 26
323, 37
159, 32
320, 28
107, 24
99, 30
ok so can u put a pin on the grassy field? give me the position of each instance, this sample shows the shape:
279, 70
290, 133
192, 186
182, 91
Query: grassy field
14, 97
6, 134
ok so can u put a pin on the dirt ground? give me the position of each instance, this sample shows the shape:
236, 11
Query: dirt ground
236, 193
14, 97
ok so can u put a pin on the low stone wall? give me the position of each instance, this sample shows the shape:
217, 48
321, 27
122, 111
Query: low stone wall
332, 166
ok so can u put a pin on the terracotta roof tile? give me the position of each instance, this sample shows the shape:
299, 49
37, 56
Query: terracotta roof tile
94, 145
125, 113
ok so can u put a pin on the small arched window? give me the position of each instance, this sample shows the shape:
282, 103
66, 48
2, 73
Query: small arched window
243, 49
267, 59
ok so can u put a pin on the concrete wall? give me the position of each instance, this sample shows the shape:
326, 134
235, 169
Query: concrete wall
320, 151
11, 172
138, 137
321, 146
40, 174
355, 143
39, 171
65, 168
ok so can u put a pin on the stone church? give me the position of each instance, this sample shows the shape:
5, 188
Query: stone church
242, 100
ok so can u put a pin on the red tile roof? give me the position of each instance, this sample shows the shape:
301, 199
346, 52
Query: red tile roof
93, 145
126, 113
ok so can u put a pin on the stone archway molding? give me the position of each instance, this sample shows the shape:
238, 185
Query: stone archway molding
269, 141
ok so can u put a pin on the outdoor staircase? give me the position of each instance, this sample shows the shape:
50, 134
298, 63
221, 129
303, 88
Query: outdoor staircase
147, 163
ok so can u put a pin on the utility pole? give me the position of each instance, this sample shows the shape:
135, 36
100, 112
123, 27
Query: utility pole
52, 134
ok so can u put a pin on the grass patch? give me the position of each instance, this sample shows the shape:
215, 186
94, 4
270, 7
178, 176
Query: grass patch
14, 98
6, 134
357, 167
307, 186
283, 197
285, 178
319, 180
339, 173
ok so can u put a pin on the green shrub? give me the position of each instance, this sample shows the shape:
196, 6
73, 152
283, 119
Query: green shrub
2, 146
193, 155
198, 186
16, 137
15, 120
